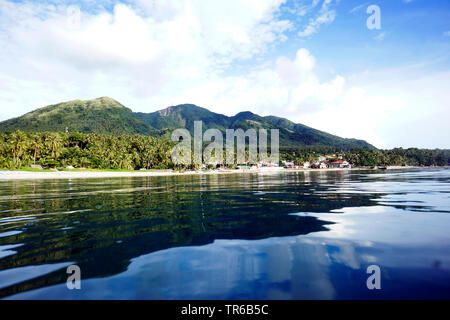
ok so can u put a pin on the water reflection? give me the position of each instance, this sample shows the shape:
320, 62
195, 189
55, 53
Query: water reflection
294, 235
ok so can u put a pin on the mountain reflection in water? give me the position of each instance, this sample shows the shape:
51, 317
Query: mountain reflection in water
307, 235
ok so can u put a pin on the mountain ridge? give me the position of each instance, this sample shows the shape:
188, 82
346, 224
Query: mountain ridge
106, 115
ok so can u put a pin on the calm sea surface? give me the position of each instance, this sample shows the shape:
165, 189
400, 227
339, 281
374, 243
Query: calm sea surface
308, 235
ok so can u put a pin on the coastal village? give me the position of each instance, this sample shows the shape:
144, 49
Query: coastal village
322, 162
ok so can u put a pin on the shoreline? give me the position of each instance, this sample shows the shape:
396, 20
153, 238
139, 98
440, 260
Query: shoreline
36, 175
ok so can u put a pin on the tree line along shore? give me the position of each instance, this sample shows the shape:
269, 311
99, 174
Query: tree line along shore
21, 150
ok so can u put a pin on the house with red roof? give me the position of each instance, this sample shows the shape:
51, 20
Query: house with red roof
339, 164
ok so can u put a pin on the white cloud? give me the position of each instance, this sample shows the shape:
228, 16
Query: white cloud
390, 108
133, 53
324, 16
447, 33
358, 7
153, 54
380, 37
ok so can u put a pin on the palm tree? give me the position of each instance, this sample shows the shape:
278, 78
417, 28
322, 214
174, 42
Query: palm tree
36, 146
56, 143
17, 143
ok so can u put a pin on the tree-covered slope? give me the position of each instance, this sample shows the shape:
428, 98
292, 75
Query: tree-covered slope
102, 115
183, 116
292, 135
106, 115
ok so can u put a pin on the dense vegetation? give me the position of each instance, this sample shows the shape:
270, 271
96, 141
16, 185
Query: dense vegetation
107, 116
292, 135
400, 156
103, 115
369, 158
102, 151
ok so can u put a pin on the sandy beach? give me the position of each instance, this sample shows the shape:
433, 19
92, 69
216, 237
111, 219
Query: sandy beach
32, 175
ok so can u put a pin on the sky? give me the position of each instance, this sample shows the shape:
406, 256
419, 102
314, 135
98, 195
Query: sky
315, 62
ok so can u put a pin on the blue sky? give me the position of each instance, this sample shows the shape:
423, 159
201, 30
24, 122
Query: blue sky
413, 33
312, 61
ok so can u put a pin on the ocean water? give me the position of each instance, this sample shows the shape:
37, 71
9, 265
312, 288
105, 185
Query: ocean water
288, 235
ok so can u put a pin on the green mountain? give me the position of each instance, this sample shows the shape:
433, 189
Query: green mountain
292, 135
102, 115
183, 116
106, 115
